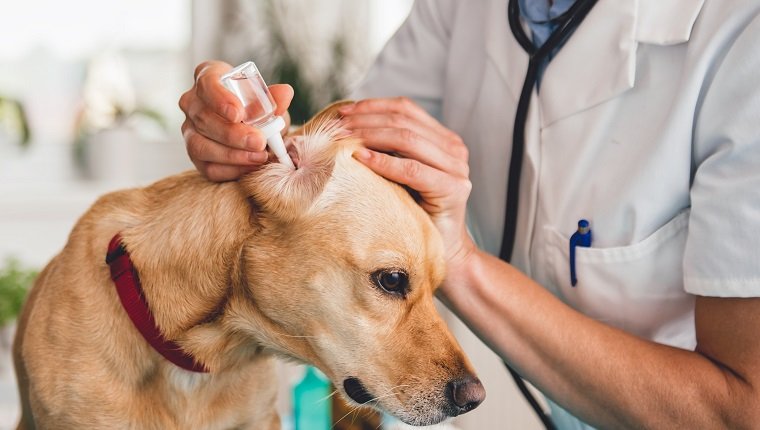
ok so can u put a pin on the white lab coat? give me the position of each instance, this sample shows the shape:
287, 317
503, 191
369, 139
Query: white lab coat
647, 124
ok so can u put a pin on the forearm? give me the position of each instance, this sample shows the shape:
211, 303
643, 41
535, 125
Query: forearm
605, 376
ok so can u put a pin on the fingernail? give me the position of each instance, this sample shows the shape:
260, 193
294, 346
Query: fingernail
253, 142
258, 157
363, 154
347, 108
230, 113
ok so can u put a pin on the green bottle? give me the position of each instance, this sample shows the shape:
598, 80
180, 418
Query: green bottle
311, 404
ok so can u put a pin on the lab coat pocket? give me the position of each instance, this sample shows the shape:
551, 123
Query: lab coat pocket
637, 288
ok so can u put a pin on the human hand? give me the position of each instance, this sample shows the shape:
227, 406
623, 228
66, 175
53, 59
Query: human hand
433, 162
220, 146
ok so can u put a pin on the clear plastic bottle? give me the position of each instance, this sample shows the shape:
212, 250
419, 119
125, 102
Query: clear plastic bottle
246, 83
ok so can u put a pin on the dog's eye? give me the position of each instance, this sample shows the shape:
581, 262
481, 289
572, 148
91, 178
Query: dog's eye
392, 281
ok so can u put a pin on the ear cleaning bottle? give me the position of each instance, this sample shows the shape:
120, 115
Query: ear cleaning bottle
249, 87
311, 401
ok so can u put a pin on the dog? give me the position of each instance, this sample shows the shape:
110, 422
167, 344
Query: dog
169, 304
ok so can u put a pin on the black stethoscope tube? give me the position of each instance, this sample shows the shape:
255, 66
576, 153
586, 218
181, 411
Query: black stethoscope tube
567, 23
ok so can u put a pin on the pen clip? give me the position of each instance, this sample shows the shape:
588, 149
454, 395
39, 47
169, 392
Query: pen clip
582, 237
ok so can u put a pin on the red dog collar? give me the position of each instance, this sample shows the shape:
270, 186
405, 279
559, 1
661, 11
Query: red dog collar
132, 298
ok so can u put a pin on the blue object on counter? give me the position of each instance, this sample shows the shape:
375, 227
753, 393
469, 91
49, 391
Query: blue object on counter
311, 402
582, 237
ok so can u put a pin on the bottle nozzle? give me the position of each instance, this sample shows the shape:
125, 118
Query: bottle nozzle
271, 131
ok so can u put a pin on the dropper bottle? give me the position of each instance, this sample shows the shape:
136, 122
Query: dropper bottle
249, 87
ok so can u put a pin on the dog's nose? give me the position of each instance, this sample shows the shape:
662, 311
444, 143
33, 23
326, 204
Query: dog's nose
465, 394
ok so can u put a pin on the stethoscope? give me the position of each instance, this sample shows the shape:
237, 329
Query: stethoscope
566, 25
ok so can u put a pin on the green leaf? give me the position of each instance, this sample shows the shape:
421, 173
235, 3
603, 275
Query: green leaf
15, 281
13, 118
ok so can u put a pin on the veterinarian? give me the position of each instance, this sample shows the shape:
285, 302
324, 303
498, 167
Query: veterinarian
632, 230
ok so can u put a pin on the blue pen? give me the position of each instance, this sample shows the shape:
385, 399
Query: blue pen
582, 237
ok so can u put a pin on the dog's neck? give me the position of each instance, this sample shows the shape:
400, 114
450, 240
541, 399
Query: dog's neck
187, 247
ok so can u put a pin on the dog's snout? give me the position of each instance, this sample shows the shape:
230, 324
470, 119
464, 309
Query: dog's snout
465, 394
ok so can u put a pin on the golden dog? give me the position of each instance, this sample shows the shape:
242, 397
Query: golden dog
329, 265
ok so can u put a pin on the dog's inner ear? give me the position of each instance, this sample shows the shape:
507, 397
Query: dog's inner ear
287, 194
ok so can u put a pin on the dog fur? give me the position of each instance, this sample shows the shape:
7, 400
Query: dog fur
286, 255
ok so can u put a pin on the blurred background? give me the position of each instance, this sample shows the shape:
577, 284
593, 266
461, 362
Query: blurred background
88, 104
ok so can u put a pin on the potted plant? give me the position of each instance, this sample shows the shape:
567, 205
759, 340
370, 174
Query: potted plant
15, 281
109, 125
14, 126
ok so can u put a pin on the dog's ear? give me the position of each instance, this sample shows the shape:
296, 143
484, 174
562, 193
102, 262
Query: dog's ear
326, 115
287, 193
284, 193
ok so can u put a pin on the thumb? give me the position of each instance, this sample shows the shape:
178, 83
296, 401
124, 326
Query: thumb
283, 95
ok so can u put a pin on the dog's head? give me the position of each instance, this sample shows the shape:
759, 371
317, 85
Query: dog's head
341, 274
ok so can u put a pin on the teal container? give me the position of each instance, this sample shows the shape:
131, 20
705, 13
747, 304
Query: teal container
311, 404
